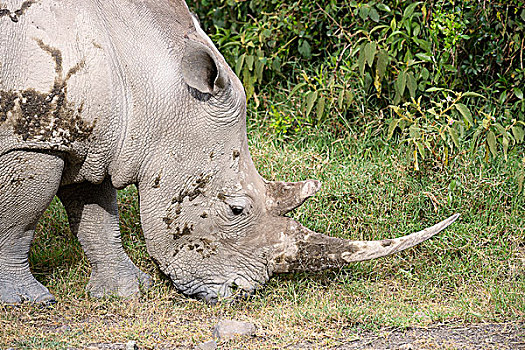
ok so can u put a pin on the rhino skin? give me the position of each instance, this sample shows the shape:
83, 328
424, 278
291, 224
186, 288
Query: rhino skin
98, 95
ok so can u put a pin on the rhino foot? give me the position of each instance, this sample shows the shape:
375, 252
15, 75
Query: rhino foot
122, 281
26, 289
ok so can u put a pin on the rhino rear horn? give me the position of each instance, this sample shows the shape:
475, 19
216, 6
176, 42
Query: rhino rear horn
283, 197
200, 69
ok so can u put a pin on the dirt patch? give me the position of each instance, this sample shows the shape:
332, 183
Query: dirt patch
475, 336
15, 15
47, 117
503, 336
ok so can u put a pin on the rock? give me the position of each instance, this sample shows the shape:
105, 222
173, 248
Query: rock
227, 329
209, 345
111, 346
63, 328
131, 345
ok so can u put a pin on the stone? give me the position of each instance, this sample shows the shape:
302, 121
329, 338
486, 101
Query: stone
209, 345
63, 328
227, 329
131, 345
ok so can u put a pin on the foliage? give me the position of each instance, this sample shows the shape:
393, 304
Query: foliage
435, 77
421, 55
276, 43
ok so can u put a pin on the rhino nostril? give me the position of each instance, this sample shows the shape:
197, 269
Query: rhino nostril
207, 297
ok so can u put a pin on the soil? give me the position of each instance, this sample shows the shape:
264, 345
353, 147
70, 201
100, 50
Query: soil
476, 336
501, 336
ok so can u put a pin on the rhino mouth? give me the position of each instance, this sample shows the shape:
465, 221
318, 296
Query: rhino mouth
225, 292
234, 289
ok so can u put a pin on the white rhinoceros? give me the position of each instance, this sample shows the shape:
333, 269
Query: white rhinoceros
96, 95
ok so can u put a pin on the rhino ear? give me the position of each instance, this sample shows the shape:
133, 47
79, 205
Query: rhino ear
200, 69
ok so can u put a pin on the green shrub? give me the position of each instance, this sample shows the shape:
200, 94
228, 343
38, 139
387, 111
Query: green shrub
417, 65
435, 77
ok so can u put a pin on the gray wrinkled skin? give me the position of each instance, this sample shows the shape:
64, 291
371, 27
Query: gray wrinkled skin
97, 95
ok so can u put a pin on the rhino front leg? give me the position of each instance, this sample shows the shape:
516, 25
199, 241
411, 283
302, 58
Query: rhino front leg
93, 217
28, 183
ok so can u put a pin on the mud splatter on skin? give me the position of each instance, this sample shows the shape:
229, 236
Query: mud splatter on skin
186, 230
386, 242
97, 45
47, 117
167, 221
175, 208
193, 193
156, 182
312, 255
55, 53
15, 15
203, 246
7, 103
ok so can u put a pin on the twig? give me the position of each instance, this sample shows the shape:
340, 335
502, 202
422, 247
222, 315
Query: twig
340, 58
348, 36
521, 54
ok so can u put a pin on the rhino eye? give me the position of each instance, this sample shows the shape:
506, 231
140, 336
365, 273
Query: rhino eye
236, 209
238, 206
234, 214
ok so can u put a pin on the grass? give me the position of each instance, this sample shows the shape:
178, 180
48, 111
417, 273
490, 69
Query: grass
472, 272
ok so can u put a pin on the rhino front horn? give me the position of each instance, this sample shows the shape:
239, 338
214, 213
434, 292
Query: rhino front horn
301, 249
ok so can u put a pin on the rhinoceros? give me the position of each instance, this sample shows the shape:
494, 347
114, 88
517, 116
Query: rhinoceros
96, 95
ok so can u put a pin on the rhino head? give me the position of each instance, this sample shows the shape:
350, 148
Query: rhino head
211, 222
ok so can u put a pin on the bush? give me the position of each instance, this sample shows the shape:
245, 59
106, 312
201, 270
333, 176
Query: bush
435, 77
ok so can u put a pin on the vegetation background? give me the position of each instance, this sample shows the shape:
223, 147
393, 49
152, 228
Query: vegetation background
407, 112
440, 78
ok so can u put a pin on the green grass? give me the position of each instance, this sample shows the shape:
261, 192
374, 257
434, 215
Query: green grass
472, 272
472, 269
